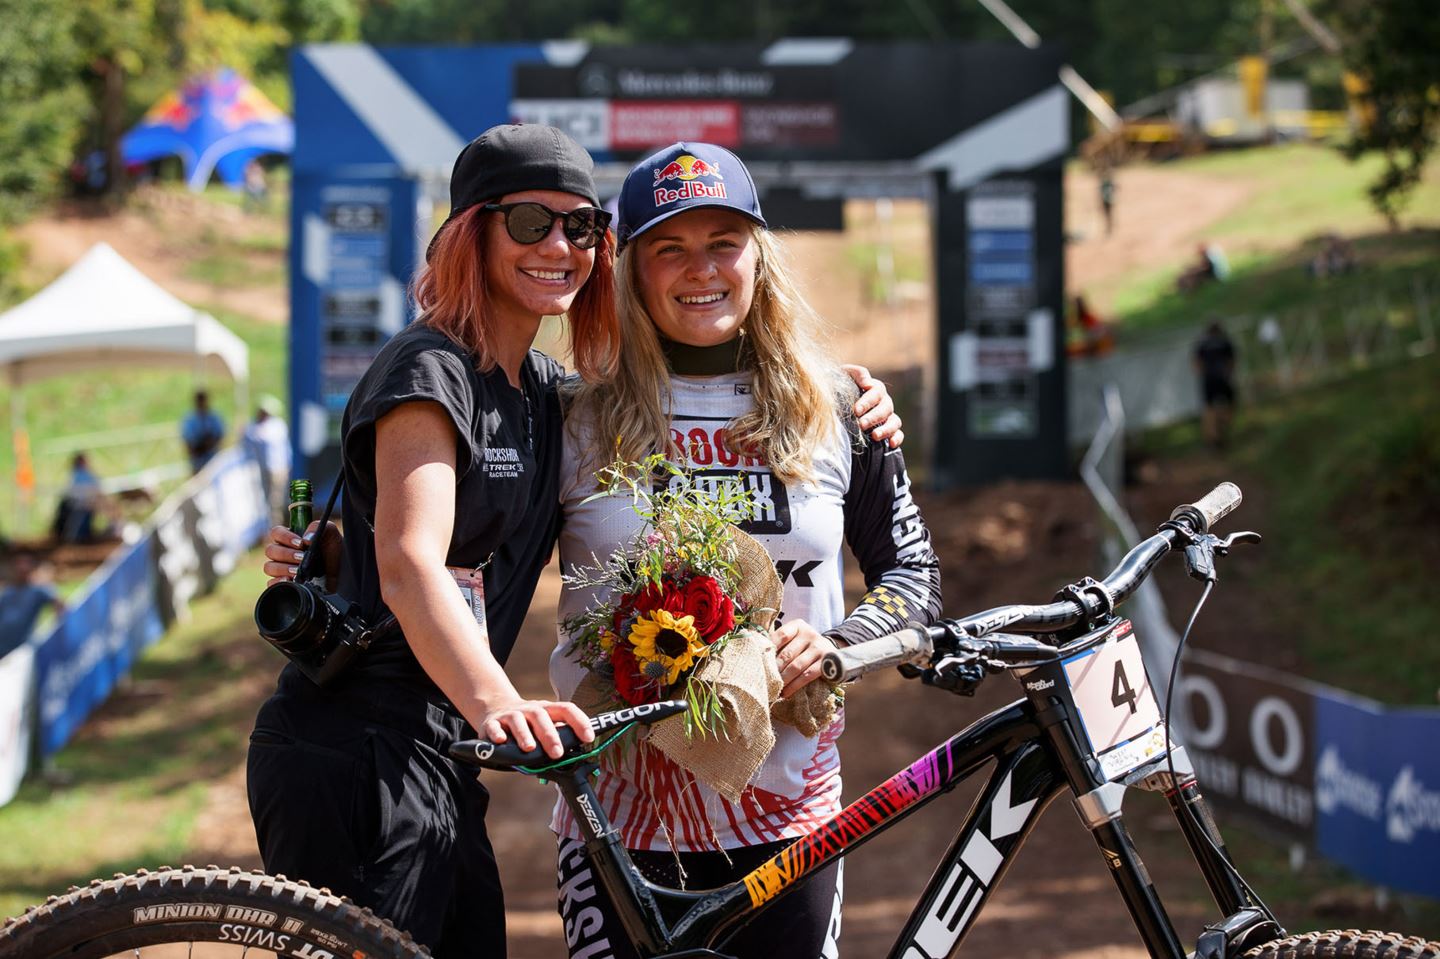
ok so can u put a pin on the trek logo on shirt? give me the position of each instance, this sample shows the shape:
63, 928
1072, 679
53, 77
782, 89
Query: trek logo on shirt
502, 463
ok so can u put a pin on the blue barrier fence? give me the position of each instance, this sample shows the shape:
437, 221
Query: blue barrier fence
1357, 781
192, 540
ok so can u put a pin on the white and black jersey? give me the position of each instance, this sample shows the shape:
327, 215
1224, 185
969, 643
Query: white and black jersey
859, 495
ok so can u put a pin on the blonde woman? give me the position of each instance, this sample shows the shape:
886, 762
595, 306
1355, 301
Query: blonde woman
722, 368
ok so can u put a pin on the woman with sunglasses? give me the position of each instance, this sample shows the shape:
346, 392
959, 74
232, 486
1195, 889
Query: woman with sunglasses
451, 446
451, 454
723, 368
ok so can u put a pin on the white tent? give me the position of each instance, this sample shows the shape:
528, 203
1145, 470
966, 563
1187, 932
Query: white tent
103, 312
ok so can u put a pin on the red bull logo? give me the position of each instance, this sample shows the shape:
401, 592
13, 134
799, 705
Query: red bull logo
686, 167
171, 111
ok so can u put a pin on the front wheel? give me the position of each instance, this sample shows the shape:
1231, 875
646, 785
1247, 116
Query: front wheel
1347, 944
180, 912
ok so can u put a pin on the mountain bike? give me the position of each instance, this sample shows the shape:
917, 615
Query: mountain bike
1089, 724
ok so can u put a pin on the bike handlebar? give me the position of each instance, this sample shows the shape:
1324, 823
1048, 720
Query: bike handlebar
1084, 601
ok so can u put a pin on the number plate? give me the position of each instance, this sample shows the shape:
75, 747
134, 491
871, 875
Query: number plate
1116, 704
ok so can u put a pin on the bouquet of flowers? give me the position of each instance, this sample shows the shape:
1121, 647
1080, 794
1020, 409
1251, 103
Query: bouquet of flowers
681, 593
691, 603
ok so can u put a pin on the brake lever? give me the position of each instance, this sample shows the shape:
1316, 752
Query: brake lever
1202, 549
1222, 548
961, 675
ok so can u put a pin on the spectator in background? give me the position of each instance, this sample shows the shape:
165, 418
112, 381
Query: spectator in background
1087, 334
79, 502
1210, 264
22, 600
1107, 199
1214, 362
267, 439
202, 429
1335, 256
257, 192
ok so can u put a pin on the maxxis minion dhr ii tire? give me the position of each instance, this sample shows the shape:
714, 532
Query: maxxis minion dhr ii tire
1347, 944
267, 914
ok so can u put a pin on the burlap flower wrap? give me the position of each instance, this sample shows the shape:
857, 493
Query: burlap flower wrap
747, 684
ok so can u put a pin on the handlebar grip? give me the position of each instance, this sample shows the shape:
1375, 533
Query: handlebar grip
1213, 506
911, 645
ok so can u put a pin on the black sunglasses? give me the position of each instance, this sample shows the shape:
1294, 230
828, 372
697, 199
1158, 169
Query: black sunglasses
531, 222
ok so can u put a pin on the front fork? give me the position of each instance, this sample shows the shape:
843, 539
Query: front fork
1247, 921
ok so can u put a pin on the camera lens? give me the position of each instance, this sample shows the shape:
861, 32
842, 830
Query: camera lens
292, 617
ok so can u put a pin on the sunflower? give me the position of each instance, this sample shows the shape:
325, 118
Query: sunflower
663, 640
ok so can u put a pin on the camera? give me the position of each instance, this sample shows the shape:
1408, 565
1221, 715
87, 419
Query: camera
320, 632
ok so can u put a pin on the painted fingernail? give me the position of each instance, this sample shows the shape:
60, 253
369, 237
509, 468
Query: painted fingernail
292, 570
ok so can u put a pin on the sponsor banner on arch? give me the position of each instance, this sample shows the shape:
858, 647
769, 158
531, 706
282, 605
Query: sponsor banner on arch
1377, 791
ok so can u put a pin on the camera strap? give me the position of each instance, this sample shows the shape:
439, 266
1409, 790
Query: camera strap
302, 572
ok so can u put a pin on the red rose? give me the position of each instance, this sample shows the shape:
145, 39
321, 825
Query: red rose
713, 611
632, 687
647, 600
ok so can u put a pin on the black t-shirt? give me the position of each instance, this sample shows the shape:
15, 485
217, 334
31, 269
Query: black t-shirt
1216, 356
507, 468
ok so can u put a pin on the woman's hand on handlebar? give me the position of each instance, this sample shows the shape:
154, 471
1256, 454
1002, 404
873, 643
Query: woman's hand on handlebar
799, 649
284, 550
533, 720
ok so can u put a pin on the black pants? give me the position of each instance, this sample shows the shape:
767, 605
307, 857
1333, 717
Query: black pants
804, 924
353, 791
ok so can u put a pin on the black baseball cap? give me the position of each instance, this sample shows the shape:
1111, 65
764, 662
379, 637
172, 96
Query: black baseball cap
518, 156
683, 177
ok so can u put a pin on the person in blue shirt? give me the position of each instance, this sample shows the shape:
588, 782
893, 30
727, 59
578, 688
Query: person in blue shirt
22, 600
79, 501
202, 430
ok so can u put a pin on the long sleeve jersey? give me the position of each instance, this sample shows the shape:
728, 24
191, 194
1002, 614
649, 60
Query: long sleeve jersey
859, 495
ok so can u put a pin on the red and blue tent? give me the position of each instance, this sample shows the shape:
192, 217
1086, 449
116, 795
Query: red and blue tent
215, 123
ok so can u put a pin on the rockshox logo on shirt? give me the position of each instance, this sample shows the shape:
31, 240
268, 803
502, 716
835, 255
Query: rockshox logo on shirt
502, 462
712, 462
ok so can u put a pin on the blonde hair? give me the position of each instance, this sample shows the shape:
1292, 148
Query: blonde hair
797, 388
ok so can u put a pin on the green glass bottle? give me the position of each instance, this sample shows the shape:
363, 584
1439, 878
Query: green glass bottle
302, 508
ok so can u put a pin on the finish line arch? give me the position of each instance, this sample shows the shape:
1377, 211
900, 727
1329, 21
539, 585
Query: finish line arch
982, 131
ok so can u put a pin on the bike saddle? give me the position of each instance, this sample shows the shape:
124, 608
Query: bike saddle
607, 727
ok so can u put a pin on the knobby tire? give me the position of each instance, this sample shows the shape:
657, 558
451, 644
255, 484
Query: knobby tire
1347, 944
266, 914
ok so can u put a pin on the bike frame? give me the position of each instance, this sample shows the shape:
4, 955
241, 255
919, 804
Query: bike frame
1038, 751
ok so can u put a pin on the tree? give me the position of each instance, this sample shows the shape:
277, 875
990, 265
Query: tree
43, 103
1390, 48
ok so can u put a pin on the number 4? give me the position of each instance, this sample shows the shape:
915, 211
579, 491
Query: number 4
1120, 692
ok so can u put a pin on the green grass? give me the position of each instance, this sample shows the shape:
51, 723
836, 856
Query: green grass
126, 793
1277, 283
227, 269
1299, 192
1349, 473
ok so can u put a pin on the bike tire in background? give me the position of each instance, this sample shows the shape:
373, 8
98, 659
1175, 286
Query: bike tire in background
1347, 944
267, 914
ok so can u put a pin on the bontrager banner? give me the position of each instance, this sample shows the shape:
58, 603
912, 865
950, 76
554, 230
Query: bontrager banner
17, 673
1377, 791
192, 540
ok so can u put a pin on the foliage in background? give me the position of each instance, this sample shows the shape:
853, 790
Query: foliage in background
42, 108
1393, 46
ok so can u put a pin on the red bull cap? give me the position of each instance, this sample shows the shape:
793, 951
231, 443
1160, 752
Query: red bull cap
681, 177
